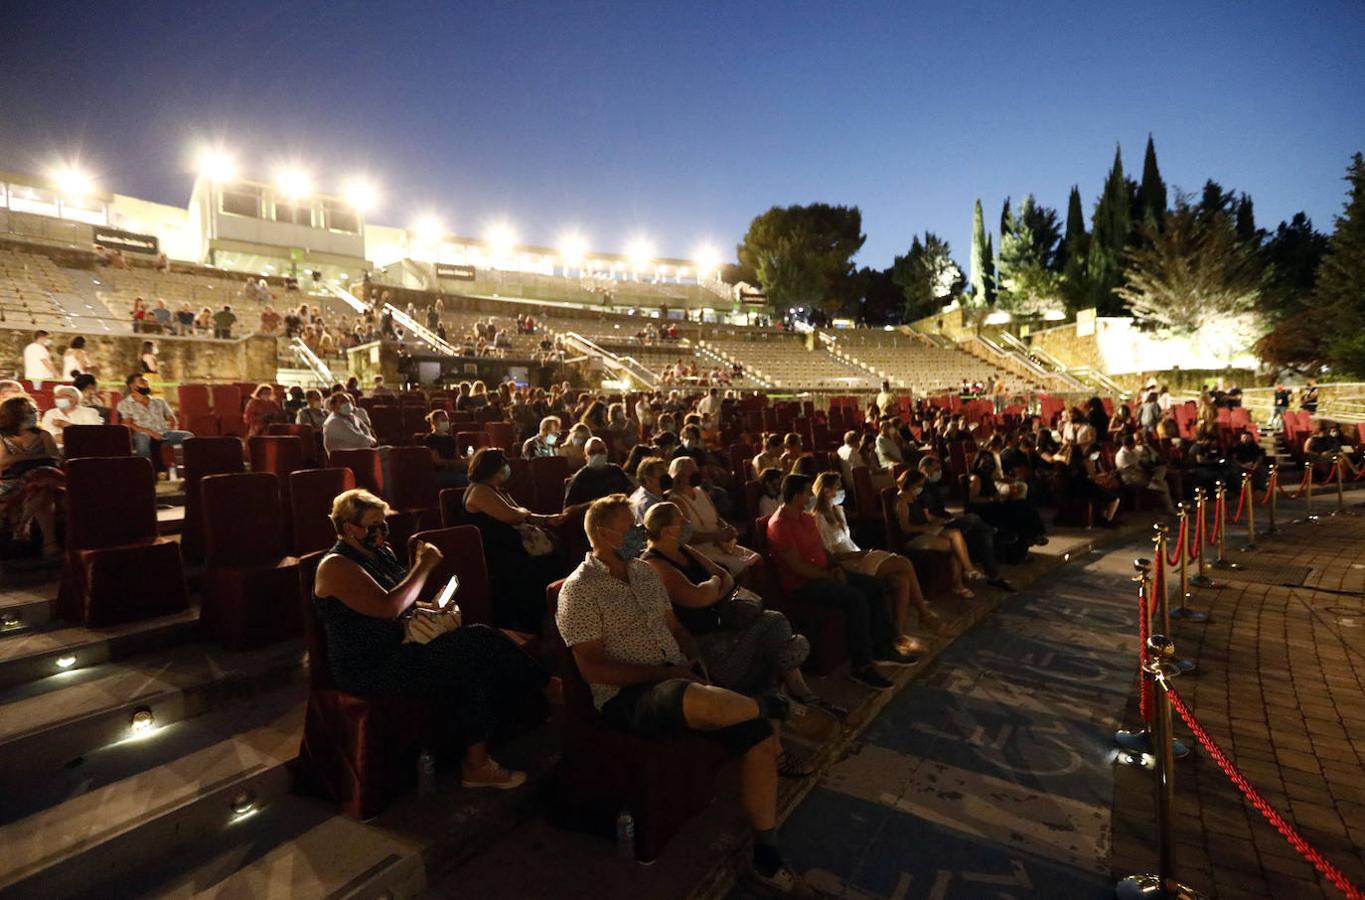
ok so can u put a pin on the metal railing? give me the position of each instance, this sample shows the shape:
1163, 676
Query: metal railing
311, 361
617, 364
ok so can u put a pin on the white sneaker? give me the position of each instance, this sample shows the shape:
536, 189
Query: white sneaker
784, 883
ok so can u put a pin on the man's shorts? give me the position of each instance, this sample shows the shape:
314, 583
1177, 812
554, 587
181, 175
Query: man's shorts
656, 710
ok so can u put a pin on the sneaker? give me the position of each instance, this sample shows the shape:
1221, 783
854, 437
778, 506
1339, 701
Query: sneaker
784, 883
494, 776
898, 657
868, 676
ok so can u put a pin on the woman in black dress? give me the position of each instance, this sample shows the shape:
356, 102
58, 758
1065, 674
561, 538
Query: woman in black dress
522, 560
379, 642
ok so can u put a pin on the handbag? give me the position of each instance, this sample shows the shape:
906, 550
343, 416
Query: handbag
534, 539
739, 609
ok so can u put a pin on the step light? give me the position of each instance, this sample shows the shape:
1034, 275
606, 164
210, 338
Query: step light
66, 662
143, 721
243, 804
9, 620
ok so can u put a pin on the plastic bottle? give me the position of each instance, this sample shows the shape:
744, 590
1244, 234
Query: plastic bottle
426, 772
625, 835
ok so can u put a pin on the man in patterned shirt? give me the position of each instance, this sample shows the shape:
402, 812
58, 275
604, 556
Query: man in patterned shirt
616, 617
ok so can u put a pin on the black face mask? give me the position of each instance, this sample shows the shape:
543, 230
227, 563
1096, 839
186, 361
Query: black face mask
666, 481
695, 479
146, 392
375, 536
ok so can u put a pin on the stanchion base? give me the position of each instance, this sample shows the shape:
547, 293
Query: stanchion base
1185, 614
1203, 581
1224, 564
1308, 520
1271, 530
1139, 744
1135, 887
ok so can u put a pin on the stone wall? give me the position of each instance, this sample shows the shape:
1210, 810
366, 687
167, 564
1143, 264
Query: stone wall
1072, 350
114, 357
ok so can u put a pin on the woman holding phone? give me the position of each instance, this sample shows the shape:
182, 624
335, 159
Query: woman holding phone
380, 640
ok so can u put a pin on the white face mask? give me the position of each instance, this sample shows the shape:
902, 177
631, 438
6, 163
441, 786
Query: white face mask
345, 409
443, 428
63, 403
597, 461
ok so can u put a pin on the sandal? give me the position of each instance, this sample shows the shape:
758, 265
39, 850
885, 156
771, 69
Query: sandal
793, 765
964, 593
931, 621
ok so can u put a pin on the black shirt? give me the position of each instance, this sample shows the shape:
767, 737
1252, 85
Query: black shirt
444, 445
590, 484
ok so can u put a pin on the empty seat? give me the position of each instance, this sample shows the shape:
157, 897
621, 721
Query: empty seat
195, 409
365, 465
279, 454
452, 508
227, 406
117, 568
412, 495
547, 483
311, 492
82, 441
204, 456
503, 434
312, 440
250, 587
461, 549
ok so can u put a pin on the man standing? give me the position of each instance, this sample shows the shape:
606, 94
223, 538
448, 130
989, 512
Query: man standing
806, 572
643, 668
38, 365
886, 401
149, 418
223, 320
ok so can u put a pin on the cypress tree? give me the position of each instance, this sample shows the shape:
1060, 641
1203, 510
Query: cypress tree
1108, 236
978, 259
1153, 190
1246, 221
1340, 291
1005, 218
1071, 257
988, 270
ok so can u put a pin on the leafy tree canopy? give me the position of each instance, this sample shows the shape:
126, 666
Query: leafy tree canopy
801, 254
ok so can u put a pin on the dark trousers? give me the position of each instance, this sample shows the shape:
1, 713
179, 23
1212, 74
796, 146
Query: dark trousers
980, 539
864, 604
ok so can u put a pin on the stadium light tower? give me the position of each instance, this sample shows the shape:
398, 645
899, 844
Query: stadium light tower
428, 230
502, 240
707, 258
72, 181
640, 252
360, 194
294, 182
572, 249
216, 164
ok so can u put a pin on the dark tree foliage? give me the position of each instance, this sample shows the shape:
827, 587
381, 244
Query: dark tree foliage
1152, 192
802, 255
1109, 235
927, 277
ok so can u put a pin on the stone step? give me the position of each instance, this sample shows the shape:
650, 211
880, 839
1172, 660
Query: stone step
23, 608
45, 725
34, 654
99, 834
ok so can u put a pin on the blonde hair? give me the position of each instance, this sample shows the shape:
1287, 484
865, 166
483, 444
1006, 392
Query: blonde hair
603, 509
823, 506
350, 506
660, 516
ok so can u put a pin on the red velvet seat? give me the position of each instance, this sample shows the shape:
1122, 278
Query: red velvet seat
358, 752
933, 568
547, 483
662, 781
195, 409
462, 554
117, 568
364, 465
227, 406
204, 456
466, 439
387, 422
250, 587
502, 434
312, 440
452, 507
311, 492
520, 486
280, 455
412, 494
84, 441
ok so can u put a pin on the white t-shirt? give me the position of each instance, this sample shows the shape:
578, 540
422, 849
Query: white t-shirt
38, 363
71, 365
80, 415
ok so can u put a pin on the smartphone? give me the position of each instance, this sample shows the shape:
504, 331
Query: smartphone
443, 599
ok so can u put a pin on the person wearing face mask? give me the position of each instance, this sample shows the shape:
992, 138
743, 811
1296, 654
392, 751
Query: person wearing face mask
313, 414
1001, 502
382, 641
597, 478
38, 365
451, 467
745, 648
646, 677
895, 572
67, 410
149, 418
922, 530
90, 397
712, 535
261, 410
654, 481
769, 491
691, 445
30, 479
522, 560
545, 440
573, 448
344, 428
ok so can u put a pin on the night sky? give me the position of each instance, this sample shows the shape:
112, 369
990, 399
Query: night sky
682, 121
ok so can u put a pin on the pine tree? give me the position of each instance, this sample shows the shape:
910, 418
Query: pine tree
979, 257
1340, 289
1246, 221
1152, 193
1109, 236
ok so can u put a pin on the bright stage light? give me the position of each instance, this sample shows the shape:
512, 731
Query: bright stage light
293, 182
707, 259
216, 164
640, 252
501, 240
572, 250
428, 230
360, 194
72, 181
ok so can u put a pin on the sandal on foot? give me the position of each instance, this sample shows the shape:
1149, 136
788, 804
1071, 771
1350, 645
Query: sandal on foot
964, 593
793, 765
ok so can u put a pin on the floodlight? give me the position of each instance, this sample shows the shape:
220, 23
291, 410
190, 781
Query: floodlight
999, 317
501, 240
640, 252
707, 258
428, 230
216, 164
572, 249
360, 194
293, 182
72, 181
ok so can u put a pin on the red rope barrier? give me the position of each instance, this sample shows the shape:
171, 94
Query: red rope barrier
1193, 546
1145, 692
1174, 558
1301, 846
1241, 500
1270, 488
1219, 511
1303, 485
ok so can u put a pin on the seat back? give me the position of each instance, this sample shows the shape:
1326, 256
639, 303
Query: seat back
501, 434
278, 454
204, 456
387, 422
110, 501
461, 554
242, 519
315, 639
311, 492
413, 418
311, 443
364, 465
547, 483
227, 406
520, 485
466, 439
412, 474
82, 441
193, 400
452, 507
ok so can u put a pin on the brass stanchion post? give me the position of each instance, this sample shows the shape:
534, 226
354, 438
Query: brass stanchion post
1201, 577
1220, 522
1162, 595
1163, 883
1137, 745
1274, 498
1308, 517
1250, 489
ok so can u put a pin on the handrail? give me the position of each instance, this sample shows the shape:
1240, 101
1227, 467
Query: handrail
627, 364
408, 322
314, 362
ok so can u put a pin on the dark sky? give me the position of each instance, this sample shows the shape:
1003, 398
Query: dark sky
682, 121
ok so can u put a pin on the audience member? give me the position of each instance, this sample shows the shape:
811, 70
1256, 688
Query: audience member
149, 418
30, 479
597, 478
67, 410
261, 411
925, 531
38, 365
711, 535
345, 428
313, 414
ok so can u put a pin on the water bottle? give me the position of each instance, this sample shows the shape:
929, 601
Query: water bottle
426, 772
625, 835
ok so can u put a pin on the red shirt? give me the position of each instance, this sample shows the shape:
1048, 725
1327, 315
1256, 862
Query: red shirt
797, 531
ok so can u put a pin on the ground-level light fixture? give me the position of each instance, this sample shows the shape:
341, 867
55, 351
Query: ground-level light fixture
66, 662
142, 720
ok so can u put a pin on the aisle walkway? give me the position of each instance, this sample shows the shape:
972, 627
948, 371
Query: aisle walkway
993, 777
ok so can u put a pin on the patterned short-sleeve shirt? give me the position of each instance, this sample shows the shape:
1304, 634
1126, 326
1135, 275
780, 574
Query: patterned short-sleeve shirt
629, 618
